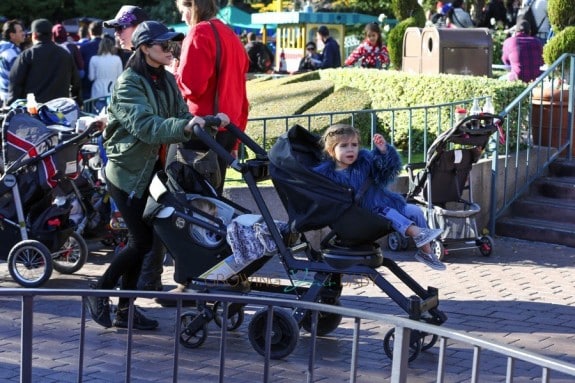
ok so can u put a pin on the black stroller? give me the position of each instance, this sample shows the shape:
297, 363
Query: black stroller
442, 186
37, 235
312, 202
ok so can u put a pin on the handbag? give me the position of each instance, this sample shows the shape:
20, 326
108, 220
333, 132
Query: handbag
205, 162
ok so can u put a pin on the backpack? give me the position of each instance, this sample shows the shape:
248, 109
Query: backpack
526, 13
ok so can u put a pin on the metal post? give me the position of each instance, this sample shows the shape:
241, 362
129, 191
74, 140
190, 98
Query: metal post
570, 110
26, 335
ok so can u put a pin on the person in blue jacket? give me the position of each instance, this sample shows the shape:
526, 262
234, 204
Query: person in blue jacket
368, 172
330, 56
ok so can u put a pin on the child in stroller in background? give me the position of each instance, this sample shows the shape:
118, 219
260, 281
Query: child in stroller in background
368, 173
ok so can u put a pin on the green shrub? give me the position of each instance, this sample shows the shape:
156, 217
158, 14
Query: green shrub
561, 14
562, 42
405, 9
349, 89
281, 97
343, 99
395, 41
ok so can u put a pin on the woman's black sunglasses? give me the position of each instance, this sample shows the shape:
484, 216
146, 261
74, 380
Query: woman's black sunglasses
167, 46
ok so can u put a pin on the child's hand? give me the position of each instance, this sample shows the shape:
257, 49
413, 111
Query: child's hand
380, 142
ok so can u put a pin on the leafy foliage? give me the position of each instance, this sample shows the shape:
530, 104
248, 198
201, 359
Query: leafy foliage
561, 14
562, 42
395, 41
355, 89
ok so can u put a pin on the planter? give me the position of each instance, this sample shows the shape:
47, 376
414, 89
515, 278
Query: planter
549, 117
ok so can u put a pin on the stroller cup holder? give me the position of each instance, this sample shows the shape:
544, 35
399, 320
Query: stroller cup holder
258, 168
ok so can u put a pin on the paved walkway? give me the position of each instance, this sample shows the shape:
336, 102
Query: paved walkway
524, 295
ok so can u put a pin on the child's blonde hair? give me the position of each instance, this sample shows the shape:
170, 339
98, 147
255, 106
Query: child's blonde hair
335, 134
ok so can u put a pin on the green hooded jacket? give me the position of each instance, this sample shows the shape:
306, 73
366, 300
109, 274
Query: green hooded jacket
138, 124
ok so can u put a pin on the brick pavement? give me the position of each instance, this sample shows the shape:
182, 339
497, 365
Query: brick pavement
524, 295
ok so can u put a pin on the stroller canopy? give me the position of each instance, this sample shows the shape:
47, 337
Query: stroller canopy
312, 200
26, 136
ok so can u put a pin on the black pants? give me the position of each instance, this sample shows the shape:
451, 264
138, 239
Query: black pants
128, 262
224, 138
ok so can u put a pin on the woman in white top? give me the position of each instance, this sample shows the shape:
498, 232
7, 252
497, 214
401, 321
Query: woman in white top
105, 68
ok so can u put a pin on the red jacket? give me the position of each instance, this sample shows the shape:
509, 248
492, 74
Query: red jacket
196, 74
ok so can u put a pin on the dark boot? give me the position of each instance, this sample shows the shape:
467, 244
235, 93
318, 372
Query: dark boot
99, 308
140, 321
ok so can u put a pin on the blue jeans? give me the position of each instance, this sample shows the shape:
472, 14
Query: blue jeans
400, 222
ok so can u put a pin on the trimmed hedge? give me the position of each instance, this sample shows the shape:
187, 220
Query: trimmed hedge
348, 89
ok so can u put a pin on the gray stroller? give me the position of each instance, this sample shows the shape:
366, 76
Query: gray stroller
442, 187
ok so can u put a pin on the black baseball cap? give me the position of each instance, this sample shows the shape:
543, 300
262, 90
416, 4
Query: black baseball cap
126, 16
153, 31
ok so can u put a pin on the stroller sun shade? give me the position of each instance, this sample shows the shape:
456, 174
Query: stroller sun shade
313, 201
25, 136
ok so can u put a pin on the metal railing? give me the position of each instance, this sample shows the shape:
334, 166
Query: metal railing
541, 118
403, 327
430, 119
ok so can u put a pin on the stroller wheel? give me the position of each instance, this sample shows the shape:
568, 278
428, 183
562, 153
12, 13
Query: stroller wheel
30, 263
438, 249
326, 322
486, 245
193, 330
72, 255
395, 241
414, 344
428, 341
284, 333
235, 315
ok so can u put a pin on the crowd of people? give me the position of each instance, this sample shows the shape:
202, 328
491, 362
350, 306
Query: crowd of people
157, 84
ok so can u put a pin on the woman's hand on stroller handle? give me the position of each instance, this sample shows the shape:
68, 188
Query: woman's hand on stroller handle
214, 122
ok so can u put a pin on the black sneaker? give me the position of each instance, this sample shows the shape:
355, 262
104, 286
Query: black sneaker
99, 308
140, 321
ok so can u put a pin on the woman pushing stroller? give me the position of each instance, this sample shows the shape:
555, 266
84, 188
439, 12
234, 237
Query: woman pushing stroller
146, 110
368, 173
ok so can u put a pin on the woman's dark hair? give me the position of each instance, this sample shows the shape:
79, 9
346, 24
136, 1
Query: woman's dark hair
311, 44
137, 62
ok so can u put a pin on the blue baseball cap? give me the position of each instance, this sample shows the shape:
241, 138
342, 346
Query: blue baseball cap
153, 31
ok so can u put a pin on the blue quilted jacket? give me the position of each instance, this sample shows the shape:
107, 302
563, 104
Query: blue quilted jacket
382, 168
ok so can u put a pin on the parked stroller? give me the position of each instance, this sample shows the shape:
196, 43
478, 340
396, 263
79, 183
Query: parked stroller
206, 262
37, 235
443, 188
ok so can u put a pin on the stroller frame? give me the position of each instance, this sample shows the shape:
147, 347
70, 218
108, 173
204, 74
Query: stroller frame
328, 266
29, 251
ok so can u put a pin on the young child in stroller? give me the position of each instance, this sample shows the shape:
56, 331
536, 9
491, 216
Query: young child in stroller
368, 173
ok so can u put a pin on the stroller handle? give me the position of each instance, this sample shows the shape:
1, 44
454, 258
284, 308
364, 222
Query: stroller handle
237, 133
208, 139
